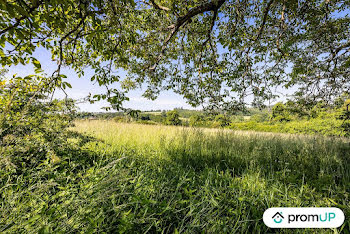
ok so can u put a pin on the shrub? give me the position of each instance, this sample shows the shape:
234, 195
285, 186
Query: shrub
158, 118
172, 118
145, 117
196, 121
344, 115
318, 109
147, 122
123, 119
280, 113
263, 117
32, 128
221, 121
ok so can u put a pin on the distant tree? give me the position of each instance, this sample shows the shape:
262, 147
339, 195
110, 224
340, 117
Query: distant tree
163, 113
297, 109
172, 118
221, 121
280, 113
196, 120
318, 109
145, 117
339, 101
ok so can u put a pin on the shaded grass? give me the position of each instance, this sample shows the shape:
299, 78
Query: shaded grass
167, 179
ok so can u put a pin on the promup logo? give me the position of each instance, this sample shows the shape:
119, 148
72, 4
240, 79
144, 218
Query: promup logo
278, 217
327, 217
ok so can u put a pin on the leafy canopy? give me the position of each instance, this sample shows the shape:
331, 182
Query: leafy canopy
214, 53
33, 128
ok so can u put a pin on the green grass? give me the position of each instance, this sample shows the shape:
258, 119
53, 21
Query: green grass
319, 126
148, 178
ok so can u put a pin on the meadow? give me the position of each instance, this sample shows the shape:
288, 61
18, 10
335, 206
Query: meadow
133, 178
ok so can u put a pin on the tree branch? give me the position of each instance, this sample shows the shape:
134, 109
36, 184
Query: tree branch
337, 50
159, 7
215, 14
267, 9
18, 21
213, 5
281, 29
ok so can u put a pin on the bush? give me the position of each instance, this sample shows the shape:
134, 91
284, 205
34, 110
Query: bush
344, 115
263, 117
280, 113
32, 128
221, 121
145, 117
329, 126
147, 122
172, 118
196, 121
158, 118
123, 119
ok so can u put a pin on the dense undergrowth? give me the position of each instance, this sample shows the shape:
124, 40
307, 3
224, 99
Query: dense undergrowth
136, 178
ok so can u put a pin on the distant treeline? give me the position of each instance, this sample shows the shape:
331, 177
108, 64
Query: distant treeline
289, 117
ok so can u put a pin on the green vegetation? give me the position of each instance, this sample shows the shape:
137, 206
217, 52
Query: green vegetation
172, 118
32, 130
215, 53
131, 172
344, 115
108, 176
320, 119
138, 178
315, 119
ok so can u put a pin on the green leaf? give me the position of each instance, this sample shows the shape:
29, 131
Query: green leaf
68, 85
36, 63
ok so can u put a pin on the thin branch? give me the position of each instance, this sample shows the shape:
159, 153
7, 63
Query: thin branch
266, 12
208, 6
337, 50
281, 29
157, 6
211, 26
208, 39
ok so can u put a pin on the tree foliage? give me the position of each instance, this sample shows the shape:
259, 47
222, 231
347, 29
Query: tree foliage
345, 117
280, 112
197, 120
214, 53
33, 128
221, 121
172, 118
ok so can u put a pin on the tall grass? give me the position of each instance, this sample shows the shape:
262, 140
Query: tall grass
142, 178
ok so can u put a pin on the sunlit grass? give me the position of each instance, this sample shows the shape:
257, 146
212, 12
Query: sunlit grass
150, 178
267, 168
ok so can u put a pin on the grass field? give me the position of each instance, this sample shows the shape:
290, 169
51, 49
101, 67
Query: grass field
142, 178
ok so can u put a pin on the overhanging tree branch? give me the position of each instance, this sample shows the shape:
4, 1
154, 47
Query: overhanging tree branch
159, 7
213, 5
18, 21
266, 12
337, 50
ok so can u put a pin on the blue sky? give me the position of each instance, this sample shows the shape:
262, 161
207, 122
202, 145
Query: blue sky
81, 87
